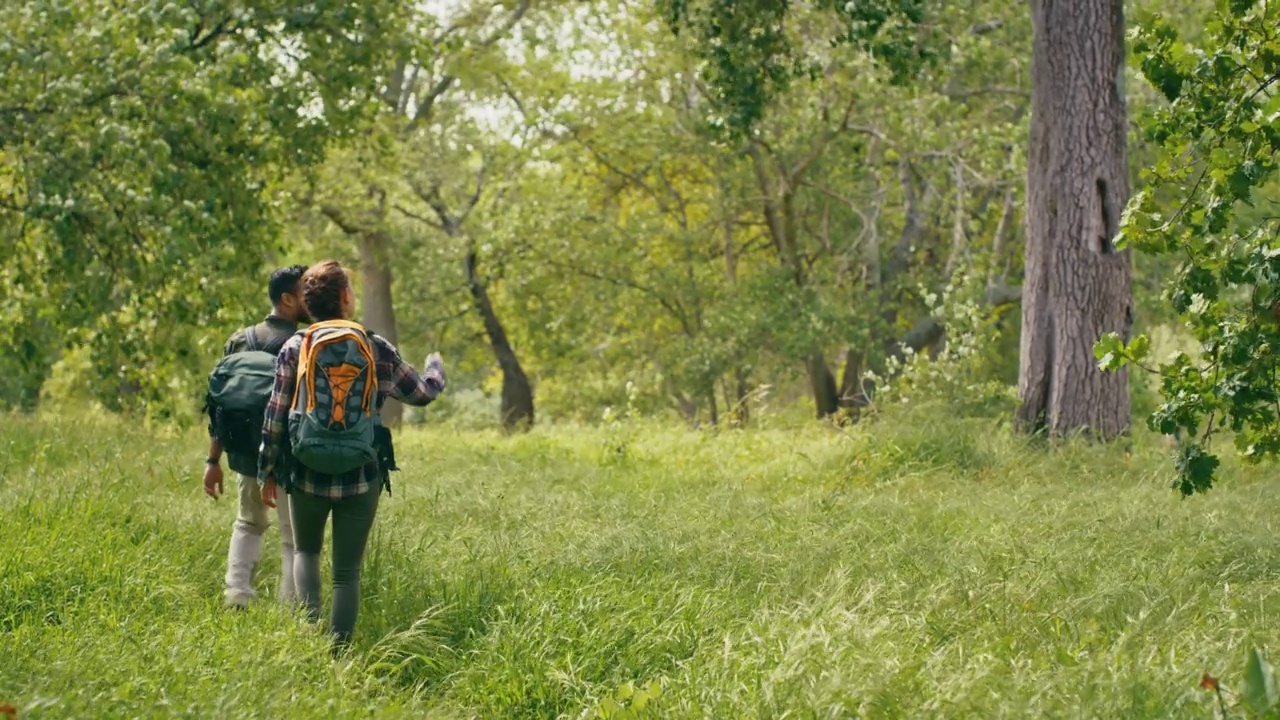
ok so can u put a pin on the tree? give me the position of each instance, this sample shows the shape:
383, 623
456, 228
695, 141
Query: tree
1077, 285
855, 130
140, 148
752, 52
425, 164
1219, 145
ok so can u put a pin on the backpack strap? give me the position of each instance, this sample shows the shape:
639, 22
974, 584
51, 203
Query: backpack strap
251, 338
254, 342
276, 345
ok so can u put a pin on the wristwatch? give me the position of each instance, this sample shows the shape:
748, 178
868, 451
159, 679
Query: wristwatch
211, 461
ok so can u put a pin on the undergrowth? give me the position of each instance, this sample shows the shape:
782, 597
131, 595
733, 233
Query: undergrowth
920, 565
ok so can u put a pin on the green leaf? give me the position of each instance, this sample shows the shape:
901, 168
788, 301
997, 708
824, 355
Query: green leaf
607, 708
1240, 7
1259, 683
1195, 469
1138, 349
1109, 351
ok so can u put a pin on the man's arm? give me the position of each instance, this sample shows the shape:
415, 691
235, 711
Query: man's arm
398, 379
213, 464
213, 470
276, 419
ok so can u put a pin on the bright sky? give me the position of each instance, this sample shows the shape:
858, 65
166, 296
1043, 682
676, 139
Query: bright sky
594, 56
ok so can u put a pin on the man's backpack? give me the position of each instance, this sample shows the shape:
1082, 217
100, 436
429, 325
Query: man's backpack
239, 389
331, 424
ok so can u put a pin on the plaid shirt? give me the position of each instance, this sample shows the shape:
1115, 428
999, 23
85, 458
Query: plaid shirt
396, 379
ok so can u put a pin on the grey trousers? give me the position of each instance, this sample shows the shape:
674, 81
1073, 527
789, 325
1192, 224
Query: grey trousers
352, 521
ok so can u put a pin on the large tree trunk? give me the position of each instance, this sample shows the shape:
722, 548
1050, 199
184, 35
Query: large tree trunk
736, 403
517, 393
854, 394
379, 312
1077, 285
736, 399
826, 396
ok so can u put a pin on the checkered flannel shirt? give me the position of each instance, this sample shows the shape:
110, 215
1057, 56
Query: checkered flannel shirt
396, 379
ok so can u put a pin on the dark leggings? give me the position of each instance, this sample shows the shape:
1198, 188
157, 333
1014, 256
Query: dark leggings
352, 520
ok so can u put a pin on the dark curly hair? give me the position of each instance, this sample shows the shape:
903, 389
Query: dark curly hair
322, 288
284, 280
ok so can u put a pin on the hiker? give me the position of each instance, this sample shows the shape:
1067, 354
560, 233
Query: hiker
331, 381
241, 433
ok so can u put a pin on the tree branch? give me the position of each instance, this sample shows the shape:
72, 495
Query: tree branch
958, 235
636, 180
428, 103
820, 146
432, 198
774, 220
475, 197
680, 202
415, 216
998, 241
423, 112
1002, 294
672, 306
961, 93
341, 220
912, 226
199, 42
985, 27
515, 17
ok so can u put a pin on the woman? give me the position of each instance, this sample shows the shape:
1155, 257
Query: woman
352, 495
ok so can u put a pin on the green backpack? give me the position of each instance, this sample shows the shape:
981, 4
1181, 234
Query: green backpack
335, 407
239, 389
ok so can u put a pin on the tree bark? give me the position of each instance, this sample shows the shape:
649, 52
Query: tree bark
778, 195
1077, 284
516, 406
853, 387
736, 404
379, 312
826, 396
517, 394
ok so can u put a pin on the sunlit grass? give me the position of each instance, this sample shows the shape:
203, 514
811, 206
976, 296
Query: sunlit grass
921, 567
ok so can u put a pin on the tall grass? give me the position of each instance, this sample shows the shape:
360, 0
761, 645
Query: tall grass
924, 566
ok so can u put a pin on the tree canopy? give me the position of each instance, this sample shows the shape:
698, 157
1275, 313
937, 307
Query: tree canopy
139, 148
681, 206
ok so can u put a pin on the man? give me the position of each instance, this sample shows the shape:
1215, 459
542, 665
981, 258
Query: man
252, 518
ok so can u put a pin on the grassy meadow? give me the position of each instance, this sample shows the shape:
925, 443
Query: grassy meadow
919, 566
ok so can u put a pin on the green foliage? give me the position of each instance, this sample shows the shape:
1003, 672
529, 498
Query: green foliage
752, 54
628, 702
970, 373
618, 240
1218, 139
139, 144
650, 256
1260, 685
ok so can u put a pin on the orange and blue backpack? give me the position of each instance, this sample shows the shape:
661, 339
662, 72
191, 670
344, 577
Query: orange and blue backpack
335, 407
